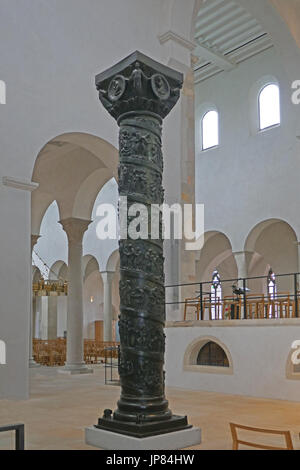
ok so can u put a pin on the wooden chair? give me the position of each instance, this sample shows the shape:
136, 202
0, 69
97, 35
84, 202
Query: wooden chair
293, 305
216, 308
280, 307
193, 302
295, 314
229, 301
255, 306
237, 441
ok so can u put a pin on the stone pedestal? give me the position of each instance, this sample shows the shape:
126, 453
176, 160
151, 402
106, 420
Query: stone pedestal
170, 441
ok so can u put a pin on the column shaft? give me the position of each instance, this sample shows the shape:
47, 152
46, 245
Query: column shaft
139, 93
32, 363
75, 229
52, 317
108, 306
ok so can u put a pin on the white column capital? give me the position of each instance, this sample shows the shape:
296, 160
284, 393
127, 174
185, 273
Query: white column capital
107, 276
75, 228
244, 252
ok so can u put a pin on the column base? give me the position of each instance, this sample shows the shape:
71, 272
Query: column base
75, 370
33, 364
108, 440
144, 429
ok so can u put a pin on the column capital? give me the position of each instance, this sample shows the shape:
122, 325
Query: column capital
75, 228
244, 252
34, 240
139, 84
107, 275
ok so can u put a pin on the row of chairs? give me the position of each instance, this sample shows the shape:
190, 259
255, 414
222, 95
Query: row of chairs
53, 352
258, 306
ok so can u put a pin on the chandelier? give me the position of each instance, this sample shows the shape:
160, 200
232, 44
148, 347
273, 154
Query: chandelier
44, 288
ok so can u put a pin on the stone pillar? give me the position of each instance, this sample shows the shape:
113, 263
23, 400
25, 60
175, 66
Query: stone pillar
75, 229
107, 277
52, 317
34, 330
298, 246
242, 261
139, 93
37, 305
32, 363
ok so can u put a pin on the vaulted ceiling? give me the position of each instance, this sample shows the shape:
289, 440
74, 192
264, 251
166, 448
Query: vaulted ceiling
225, 35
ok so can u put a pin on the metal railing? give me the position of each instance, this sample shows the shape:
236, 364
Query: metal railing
111, 363
203, 295
19, 434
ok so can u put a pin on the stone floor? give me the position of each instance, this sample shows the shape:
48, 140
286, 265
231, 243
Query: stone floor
61, 407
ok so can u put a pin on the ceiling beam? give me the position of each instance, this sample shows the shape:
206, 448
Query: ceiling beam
205, 52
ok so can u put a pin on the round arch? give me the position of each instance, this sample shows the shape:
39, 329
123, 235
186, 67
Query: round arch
71, 169
273, 244
89, 266
113, 261
36, 274
216, 249
58, 270
192, 351
257, 231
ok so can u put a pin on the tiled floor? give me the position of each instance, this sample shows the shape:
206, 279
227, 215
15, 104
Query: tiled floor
61, 407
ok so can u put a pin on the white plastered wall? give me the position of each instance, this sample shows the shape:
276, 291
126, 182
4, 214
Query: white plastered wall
259, 356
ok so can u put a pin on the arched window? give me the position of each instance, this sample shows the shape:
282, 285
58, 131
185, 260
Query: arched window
272, 293
2, 353
2, 92
216, 296
210, 130
272, 289
269, 106
211, 354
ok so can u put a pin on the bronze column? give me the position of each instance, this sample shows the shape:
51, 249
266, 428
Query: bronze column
139, 93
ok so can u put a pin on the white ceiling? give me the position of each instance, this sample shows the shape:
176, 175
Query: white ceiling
225, 35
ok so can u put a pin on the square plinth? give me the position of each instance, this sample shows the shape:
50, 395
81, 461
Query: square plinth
75, 371
107, 440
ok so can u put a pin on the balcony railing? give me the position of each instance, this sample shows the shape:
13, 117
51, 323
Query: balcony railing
246, 301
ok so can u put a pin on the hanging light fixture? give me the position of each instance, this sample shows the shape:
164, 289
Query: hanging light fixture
46, 287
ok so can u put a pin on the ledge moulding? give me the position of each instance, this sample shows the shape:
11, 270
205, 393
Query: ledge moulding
171, 36
16, 183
